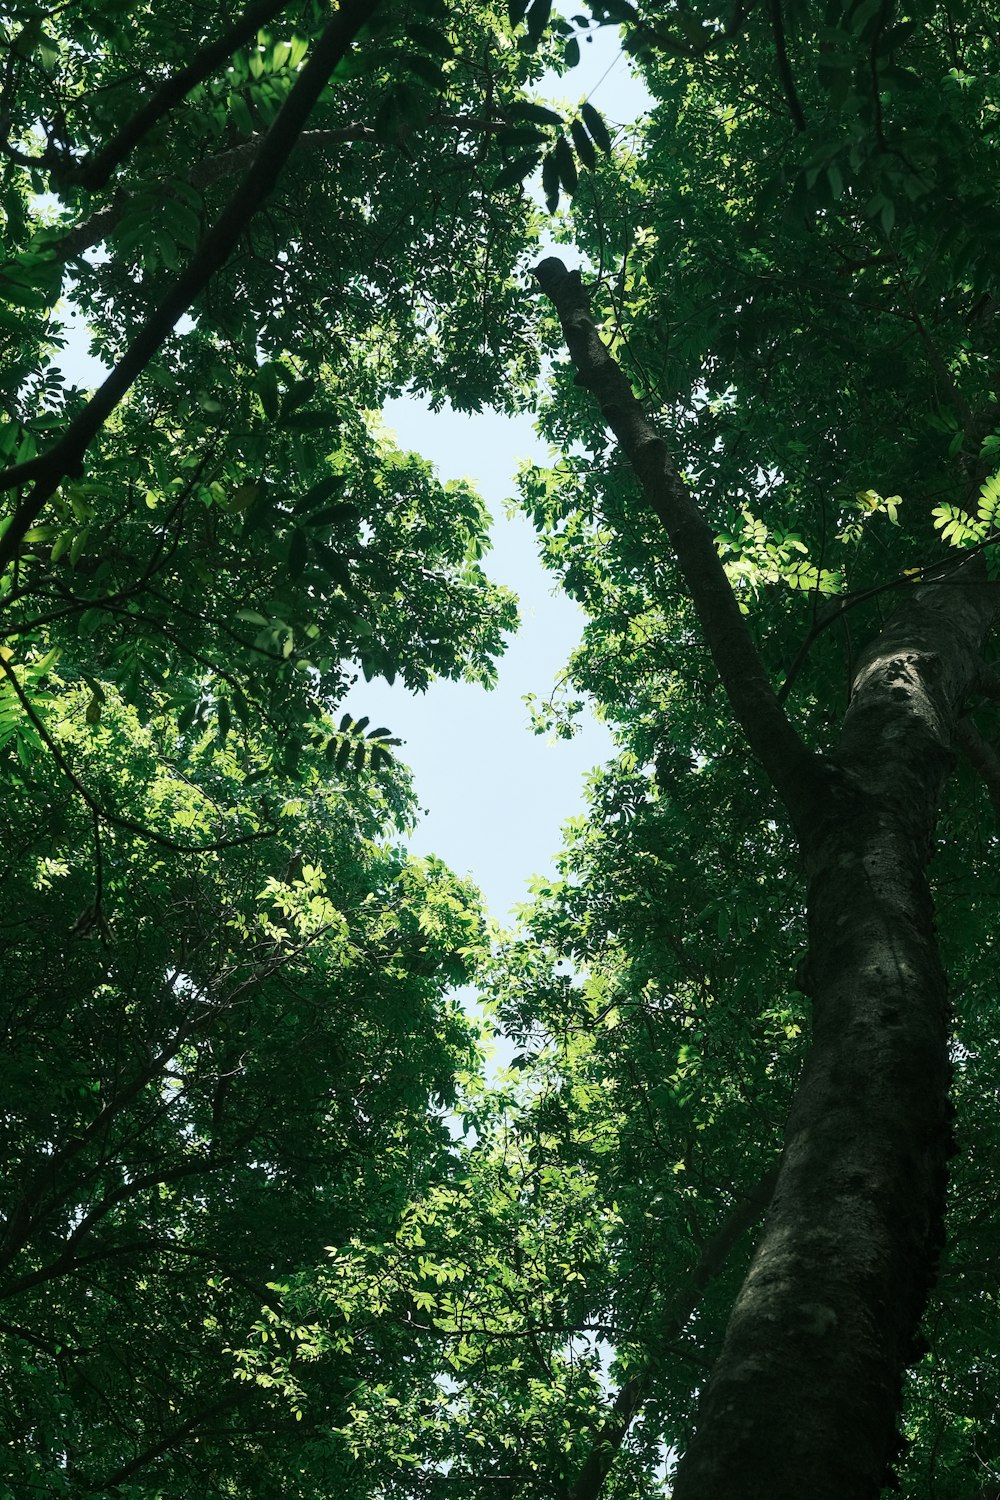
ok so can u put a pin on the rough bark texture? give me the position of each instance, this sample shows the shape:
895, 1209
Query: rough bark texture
804, 1397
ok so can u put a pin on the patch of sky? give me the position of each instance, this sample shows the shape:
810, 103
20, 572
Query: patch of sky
495, 795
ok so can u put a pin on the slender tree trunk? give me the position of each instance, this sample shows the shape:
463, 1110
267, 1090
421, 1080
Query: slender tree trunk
804, 1397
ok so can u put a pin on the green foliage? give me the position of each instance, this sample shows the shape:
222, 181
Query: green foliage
200, 1053
268, 1229
230, 1029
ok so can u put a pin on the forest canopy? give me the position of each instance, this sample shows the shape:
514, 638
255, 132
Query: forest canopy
271, 1225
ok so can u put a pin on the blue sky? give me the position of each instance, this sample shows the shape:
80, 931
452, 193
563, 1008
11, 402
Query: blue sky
494, 794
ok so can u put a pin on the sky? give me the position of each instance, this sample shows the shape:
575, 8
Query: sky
494, 796
497, 795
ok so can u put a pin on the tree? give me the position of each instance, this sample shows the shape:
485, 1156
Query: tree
217, 1064
786, 322
858, 217
227, 995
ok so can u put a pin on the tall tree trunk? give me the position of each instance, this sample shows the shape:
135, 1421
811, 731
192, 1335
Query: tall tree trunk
804, 1397
802, 1403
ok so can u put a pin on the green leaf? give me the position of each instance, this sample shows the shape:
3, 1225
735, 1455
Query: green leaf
430, 39
425, 69
336, 567
517, 170
550, 182
538, 18
566, 165
241, 115
331, 515
584, 145
595, 124
319, 492
12, 321
540, 113
298, 552
310, 421
267, 389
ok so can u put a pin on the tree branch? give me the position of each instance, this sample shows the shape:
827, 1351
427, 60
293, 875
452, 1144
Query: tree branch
93, 171
982, 756
117, 820
634, 1392
212, 169
47, 471
232, 1398
792, 767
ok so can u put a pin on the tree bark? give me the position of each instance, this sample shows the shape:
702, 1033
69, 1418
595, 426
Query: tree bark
804, 1397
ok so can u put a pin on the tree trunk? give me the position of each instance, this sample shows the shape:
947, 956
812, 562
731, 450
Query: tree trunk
804, 1397
803, 1400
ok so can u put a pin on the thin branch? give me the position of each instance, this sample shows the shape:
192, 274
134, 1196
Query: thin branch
48, 471
15, 1331
792, 767
93, 915
635, 1391
784, 66
212, 169
232, 1398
